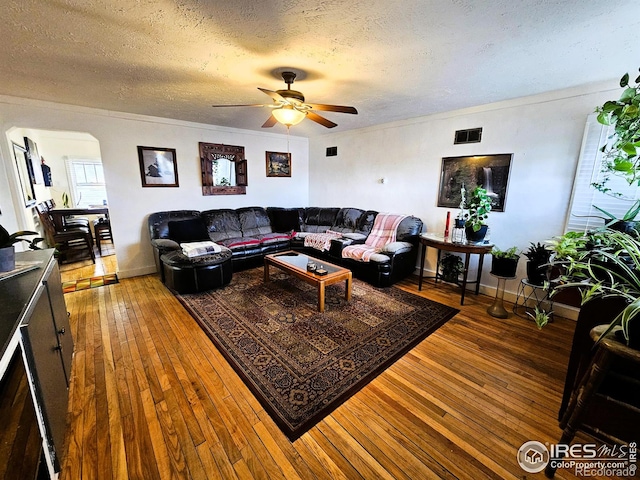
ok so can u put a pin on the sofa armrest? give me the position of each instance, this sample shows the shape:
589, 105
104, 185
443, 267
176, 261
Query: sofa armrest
395, 248
165, 244
337, 245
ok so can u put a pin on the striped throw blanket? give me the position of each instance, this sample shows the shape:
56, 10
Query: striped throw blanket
382, 233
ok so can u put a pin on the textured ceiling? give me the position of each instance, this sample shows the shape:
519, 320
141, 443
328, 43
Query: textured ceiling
391, 59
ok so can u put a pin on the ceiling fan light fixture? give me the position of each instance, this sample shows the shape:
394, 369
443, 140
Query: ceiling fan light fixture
289, 116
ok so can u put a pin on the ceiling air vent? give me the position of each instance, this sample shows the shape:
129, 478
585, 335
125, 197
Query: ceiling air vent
471, 135
332, 151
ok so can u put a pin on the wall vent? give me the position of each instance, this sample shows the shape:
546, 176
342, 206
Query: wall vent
471, 135
332, 151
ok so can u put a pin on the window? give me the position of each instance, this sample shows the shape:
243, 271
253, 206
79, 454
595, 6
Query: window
582, 215
86, 180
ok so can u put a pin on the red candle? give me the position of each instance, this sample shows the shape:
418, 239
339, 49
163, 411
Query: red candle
446, 228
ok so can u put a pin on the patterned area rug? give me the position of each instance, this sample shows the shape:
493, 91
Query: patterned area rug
302, 364
93, 282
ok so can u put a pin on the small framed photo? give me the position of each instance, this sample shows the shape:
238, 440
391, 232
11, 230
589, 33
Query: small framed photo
158, 167
278, 164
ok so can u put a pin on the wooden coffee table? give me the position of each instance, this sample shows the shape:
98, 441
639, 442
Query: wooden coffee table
295, 264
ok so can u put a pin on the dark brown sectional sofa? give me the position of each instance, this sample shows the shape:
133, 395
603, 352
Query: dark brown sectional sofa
253, 232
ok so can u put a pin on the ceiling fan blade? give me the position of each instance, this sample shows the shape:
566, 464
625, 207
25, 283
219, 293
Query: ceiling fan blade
271, 121
274, 95
253, 105
333, 108
321, 120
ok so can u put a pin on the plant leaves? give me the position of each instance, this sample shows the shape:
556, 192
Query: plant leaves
624, 81
603, 119
628, 94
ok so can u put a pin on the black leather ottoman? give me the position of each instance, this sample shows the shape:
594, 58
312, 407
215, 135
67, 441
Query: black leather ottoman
196, 274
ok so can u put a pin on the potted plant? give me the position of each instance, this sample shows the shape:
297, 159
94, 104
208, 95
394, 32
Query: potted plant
537, 255
478, 206
7, 248
626, 223
621, 154
607, 264
504, 262
451, 267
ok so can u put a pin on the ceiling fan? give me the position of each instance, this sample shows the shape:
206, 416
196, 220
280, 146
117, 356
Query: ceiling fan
289, 107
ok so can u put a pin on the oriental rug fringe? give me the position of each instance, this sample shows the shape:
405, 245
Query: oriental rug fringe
302, 364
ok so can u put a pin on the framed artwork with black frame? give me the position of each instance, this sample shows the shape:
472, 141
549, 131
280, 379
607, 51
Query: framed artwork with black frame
489, 171
158, 167
278, 164
35, 169
24, 179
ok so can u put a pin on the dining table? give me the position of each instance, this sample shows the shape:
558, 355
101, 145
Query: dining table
59, 214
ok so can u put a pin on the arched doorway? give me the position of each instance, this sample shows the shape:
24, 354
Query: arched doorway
65, 169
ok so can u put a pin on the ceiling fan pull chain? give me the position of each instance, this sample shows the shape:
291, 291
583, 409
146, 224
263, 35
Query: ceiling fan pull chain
288, 129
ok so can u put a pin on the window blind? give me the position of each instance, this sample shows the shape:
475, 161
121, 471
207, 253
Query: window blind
582, 214
86, 179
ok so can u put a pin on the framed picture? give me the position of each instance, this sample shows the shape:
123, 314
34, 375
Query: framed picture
278, 164
158, 167
489, 171
35, 169
22, 164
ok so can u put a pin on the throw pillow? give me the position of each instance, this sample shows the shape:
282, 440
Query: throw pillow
191, 230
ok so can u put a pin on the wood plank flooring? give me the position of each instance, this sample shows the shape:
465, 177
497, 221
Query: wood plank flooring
152, 398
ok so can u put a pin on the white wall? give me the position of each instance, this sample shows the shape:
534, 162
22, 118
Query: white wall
130, 203
543, 132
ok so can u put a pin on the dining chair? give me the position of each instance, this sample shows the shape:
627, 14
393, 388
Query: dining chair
68, 240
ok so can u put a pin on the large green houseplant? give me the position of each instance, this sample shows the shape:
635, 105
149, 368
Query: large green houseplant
478, 207
621, 152
600, 264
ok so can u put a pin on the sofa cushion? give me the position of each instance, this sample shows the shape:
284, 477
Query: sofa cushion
190, 230
285, 220
240, 242
355, 237
379, 258
347, 220
397, 247
222, 224
319, 219
254, 221
275, 237
365, 224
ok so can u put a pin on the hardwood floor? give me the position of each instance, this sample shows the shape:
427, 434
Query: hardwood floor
152, 398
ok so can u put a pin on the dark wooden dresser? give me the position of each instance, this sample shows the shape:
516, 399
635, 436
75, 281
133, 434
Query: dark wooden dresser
35, 369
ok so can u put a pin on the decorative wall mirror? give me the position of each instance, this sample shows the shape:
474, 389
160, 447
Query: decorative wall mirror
224, 169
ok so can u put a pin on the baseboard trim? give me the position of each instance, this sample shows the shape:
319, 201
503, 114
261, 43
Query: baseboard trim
560, 309
136, 272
